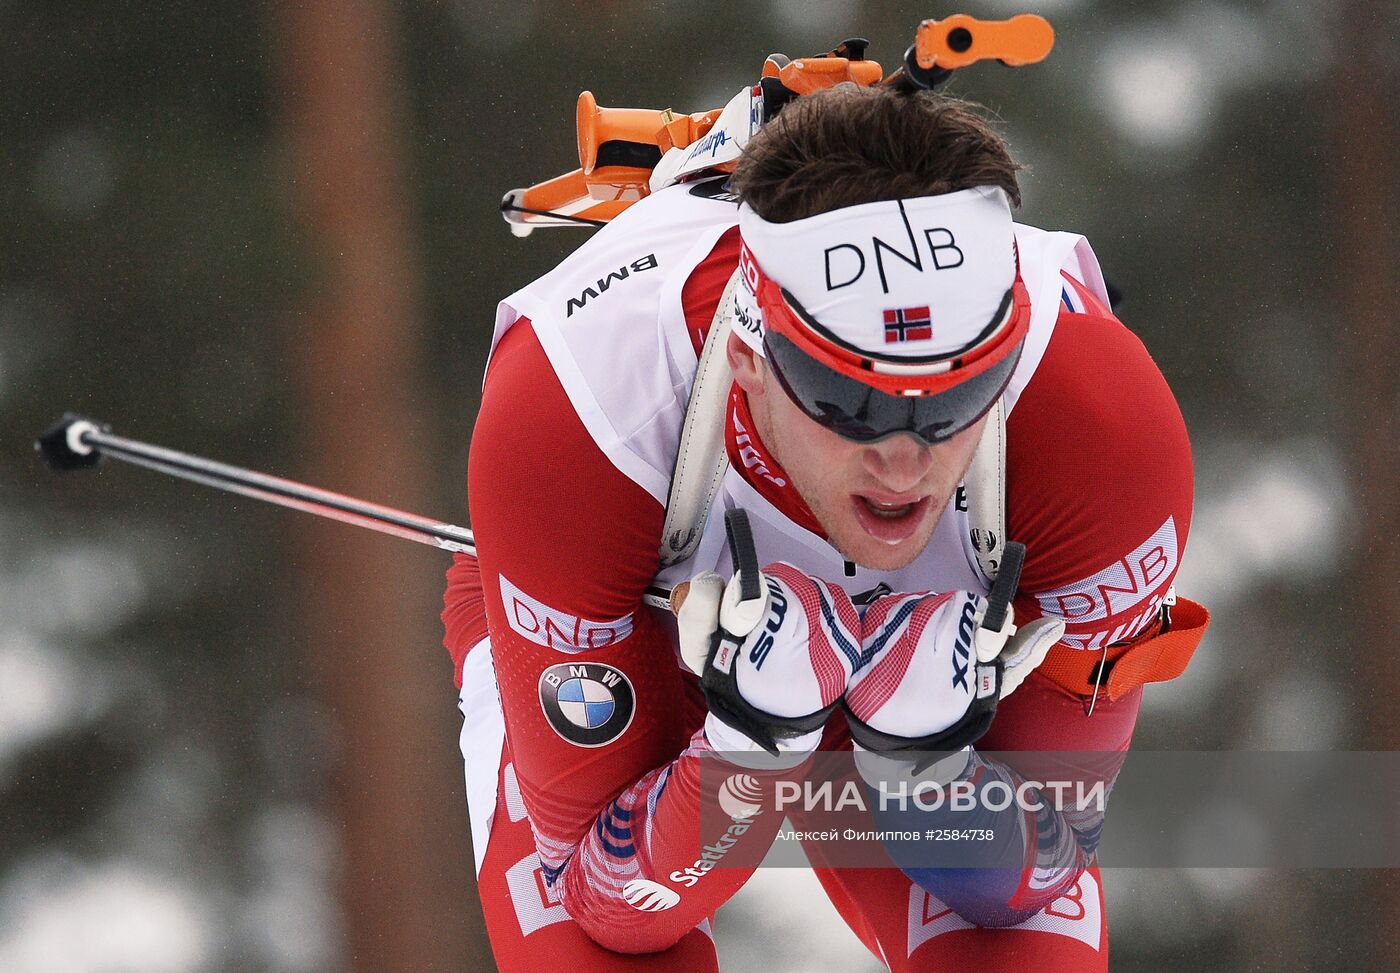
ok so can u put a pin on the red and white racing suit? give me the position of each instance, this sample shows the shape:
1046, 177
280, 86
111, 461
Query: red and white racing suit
571, 461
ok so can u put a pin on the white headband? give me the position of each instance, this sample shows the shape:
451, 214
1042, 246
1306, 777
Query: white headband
897, 278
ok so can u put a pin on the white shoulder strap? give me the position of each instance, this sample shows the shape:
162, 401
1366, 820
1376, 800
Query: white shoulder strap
985, 484
700, 459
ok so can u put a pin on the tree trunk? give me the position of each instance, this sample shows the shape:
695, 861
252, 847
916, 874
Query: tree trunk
370, 604
1362, 157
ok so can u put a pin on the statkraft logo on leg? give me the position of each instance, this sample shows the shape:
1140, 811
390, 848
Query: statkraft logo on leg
736, 797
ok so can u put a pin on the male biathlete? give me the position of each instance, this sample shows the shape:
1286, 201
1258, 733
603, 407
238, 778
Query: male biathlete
886, 303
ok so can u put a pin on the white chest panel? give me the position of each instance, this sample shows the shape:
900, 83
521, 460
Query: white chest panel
947, 563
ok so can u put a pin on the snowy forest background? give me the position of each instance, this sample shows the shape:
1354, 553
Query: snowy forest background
268, 233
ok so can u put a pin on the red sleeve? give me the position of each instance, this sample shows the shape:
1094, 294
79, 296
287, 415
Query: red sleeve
1099, 483
463, 611
605, 748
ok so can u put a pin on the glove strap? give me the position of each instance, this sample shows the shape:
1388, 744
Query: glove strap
965, 732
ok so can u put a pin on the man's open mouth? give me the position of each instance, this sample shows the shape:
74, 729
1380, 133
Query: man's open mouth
891, 520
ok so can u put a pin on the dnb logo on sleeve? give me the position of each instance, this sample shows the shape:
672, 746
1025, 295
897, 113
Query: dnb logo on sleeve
587, 703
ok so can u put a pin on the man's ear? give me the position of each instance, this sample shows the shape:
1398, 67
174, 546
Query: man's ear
746, 365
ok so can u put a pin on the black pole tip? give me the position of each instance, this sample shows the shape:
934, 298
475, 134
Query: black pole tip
1013, 557
743, 552
62, 446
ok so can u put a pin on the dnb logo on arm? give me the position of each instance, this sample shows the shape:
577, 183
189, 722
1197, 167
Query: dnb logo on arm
587, 703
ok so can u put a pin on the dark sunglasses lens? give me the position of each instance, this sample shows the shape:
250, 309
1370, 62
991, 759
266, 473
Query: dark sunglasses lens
858, 412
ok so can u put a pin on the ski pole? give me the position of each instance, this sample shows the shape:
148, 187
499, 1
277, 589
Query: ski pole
77, 442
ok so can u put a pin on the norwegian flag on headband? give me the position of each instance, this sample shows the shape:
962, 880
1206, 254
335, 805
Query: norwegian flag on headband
907, 324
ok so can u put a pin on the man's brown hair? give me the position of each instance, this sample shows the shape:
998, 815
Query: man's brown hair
849, 145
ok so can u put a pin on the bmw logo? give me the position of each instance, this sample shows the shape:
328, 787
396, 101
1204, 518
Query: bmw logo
587, 703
